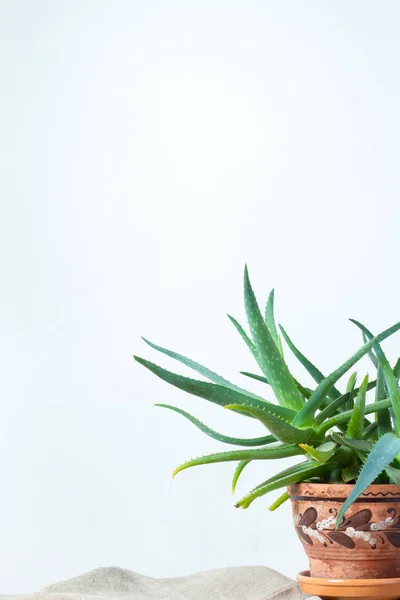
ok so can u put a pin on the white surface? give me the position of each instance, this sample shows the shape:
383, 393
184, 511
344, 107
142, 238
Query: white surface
149, 150
240, 583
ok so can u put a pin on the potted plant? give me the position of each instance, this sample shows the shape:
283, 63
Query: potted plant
345, 488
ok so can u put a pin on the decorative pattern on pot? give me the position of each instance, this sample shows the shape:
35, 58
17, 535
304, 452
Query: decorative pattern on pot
364, 544
358, 526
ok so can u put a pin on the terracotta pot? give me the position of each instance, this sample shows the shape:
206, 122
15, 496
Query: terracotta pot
367, 542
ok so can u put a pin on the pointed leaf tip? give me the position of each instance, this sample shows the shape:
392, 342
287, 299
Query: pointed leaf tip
270, 321
279, 501
275, 423
389, 376
249, 442
270, 360
237, 474
306, 415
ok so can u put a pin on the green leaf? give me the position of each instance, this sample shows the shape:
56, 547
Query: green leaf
383, 416
249, 343
270, 321
306, 415
214, 377
321, 453
281, 429
370, 430
254, 376
350, 473
287, 477
351, 384
279, 501
354, 444
271, 362
390, 378
346, 416
218, 394
394, 474
270, 453
332, 408
335, 405
306, 392
260, 441
396, 369
371, 354
294, 469
355, 427
238, 472
382, 454
312, 369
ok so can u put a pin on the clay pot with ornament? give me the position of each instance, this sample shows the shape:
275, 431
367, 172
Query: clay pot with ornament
345, 436
366, 542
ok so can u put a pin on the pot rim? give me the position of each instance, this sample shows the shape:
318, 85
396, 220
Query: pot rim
340, 491
347, 485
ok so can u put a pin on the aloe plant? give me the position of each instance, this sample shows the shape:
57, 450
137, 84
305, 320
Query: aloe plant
339, 436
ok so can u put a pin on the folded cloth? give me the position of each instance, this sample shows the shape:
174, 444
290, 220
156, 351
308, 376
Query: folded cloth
111, 583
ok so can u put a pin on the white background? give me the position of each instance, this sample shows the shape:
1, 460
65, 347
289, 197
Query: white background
149, 149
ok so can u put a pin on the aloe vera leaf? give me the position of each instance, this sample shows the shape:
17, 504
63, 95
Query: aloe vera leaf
371, 354
238, 472
281, 429
343, 401
254, 376
271, 453
304, 391
218, 394
249, 342
271, 361
353, 391
382, 454
394, 418
309, 470
270, 321
293, 470
214, 377
355, 426
335, 405
331, 409
312, 369
345, 416
279, 501
383, 416
396, 369
353, 443
351, 384
320, 454
350, 473
370, 430
394, 474
306, 415
260, 441
390, 378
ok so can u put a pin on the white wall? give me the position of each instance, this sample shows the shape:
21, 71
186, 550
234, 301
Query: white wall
149, 149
